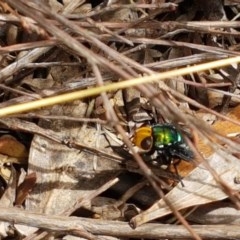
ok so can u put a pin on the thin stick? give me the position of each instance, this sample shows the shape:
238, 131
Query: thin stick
67, 97
77, 226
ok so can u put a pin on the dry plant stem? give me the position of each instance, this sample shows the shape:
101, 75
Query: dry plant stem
90, 196
208, 25
204, 48
7, 72
150, 91
104, 29
119, 85
36, 236
117, 70
25, 126
52, 64
197, 124
20, 64
169, 26
170, 110
73, 85
112, 7
185, 61
110, 114
167, 7
226, 94
130, 192
85, 199
27, 46
199, 26
173, 28
233, 195
51, 28
75, 45
200, 106
148, 173
71, 225
14, 90
61, 35
72, 5
64, 118
122, 60
204, 85
208, 133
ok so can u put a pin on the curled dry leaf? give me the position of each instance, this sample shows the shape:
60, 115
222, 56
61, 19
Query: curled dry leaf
5, 165
11, 147
24, 188
200, 187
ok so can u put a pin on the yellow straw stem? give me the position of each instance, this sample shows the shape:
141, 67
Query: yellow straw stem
67, 97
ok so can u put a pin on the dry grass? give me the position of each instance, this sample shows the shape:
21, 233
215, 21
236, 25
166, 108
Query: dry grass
67, 72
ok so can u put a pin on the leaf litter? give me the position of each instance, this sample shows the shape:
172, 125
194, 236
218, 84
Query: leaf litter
76, 158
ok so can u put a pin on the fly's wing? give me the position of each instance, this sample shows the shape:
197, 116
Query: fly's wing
182, 151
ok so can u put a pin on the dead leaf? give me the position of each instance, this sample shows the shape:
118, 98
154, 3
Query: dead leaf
12, 147
199, 188
215, 213
64, 174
